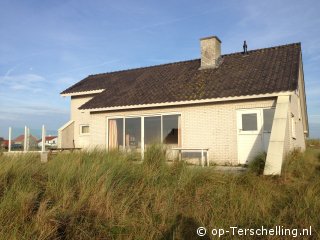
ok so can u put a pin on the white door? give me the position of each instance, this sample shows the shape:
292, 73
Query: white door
250, 139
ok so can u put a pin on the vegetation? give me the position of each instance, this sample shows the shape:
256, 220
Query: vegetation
313, 143
258, 163
98, 195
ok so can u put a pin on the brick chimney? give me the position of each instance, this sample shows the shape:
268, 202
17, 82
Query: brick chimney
210, 52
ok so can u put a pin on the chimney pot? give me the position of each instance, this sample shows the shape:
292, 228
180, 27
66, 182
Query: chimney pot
210, 52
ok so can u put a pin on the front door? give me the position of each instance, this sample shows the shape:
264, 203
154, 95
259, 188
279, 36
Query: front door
250, 140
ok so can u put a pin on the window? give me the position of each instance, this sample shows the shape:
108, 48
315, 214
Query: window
125, 133
84, 129
152, 130
115, 133
133, 133
268, 115
171, 129
249, 122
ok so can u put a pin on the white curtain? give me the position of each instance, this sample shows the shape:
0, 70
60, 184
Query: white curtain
113, 134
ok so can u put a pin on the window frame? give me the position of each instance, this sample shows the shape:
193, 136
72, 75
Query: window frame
80, 130
142, 116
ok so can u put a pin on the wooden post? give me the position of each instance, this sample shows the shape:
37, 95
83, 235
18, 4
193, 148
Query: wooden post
9, 143
43, 140
208, 161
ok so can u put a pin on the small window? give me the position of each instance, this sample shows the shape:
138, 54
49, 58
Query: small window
249, 122
84, 129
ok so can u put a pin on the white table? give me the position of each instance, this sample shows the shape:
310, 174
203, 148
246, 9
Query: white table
202, 150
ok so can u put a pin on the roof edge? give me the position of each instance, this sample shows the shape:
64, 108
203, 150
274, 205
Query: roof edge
188, 102
82, 93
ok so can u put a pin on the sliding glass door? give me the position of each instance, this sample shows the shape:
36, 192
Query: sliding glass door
172, 130
152, 130
126, 132
133, 133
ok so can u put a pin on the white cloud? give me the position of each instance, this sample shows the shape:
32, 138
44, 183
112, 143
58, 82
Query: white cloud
25, 82
37, 110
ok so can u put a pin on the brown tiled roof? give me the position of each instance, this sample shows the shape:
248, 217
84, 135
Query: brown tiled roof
260, 71
20, 138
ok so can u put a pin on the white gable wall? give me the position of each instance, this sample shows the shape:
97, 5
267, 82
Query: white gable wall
80, 117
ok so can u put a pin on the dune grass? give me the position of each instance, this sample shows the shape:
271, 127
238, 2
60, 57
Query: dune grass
99, 195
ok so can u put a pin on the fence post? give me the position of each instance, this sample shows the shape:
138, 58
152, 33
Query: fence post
9, 143
43, 146
28, 139
25, 139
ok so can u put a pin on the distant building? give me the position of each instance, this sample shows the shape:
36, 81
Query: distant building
18, 142
50, 141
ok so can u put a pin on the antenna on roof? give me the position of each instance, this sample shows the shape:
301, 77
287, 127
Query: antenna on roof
245, 47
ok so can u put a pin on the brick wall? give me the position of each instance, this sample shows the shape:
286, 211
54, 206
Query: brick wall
208, 125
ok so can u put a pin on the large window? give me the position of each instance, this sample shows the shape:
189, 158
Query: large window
125, 133
115, 133
133, 133
152, 130
171, 129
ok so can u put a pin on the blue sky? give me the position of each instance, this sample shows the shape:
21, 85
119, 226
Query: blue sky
45, 46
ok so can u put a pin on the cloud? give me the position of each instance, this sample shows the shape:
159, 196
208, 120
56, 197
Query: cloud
27, 82
32, 109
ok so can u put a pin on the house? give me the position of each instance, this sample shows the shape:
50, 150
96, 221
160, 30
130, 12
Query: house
237, 105
50, 141
18, 142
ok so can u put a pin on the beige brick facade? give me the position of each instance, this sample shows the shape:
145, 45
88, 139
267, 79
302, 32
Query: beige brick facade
210, 125
207, 125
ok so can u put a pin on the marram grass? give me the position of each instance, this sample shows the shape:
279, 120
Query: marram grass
99, 195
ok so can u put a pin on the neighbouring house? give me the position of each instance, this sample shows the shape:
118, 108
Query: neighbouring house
18, 142
50, 141
237, 105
